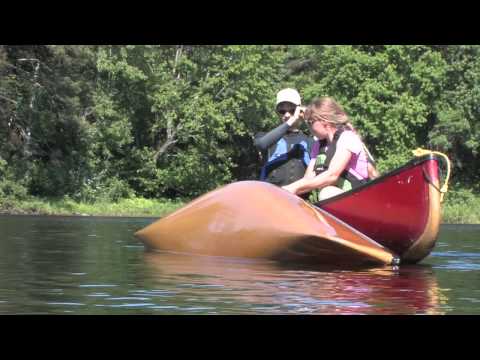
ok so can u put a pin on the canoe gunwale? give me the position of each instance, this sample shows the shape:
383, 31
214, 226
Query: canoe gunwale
414, 162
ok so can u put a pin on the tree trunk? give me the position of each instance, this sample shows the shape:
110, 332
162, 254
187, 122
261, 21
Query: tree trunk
171, 129
178, 55
171, 139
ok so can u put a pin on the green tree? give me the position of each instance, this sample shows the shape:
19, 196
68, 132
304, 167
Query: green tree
178, 120
48, 92
457, 127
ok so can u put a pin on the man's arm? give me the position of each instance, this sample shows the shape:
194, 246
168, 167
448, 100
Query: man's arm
265, 141
270, 138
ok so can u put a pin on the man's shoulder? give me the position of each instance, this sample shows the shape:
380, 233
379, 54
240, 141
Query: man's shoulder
259, 134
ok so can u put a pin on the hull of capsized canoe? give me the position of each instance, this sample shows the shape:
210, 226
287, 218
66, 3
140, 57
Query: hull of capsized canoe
259, 220
400, 210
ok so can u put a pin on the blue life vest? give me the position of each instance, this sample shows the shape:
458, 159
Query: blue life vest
287, 159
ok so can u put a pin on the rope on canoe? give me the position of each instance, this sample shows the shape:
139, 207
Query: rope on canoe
422, 152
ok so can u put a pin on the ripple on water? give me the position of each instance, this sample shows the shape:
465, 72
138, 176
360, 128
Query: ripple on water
127, 305
470, 299
154, 293
201, 286
98, 295
127, 298
164, 307
459, 266
458, 254
65, 304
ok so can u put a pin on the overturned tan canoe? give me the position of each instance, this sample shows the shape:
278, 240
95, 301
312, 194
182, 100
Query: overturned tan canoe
259, 220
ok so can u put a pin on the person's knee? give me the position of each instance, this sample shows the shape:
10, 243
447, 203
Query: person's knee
329, 191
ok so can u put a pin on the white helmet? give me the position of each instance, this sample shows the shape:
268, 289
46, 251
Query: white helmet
289, 95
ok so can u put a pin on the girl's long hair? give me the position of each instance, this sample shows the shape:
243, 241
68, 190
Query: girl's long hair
328, 110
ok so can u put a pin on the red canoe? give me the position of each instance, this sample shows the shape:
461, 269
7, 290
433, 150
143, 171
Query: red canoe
400, 210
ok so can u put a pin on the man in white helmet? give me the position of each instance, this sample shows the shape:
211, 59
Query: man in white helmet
285, 149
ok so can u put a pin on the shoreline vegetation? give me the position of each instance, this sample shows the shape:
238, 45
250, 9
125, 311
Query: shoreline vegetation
131, 207
456, 210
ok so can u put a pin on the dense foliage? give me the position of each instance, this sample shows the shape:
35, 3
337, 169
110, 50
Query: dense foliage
111, 122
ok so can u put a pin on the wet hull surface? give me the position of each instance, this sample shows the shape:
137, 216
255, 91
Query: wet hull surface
259, 220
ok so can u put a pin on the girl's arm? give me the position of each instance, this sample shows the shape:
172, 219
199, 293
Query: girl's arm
310, 171
330, 176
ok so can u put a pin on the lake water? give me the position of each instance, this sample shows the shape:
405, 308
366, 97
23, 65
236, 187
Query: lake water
94, 265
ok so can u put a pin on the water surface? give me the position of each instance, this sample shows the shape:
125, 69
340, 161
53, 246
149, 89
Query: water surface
94, 265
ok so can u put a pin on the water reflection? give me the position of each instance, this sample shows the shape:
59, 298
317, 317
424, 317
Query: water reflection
255, 286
